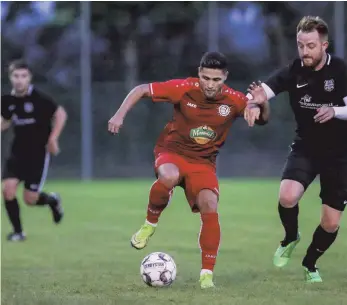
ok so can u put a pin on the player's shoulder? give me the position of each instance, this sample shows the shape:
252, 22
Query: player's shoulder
233, 96
6, 99
336, 63
40, 96
188, 84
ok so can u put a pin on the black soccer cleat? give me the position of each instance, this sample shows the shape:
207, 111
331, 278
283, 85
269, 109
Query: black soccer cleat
56, 207
16, 236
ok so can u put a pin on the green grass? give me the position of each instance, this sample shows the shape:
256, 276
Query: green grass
87, 260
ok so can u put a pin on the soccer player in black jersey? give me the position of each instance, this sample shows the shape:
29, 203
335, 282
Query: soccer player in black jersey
38, 122
317, 87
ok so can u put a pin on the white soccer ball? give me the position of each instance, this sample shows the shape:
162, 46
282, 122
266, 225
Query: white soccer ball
158, 269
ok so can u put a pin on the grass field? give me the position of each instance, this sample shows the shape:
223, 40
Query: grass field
87, 260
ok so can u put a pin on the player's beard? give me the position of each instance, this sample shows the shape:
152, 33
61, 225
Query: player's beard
314, 61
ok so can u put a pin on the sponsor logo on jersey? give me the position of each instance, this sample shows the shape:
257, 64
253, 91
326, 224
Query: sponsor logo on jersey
202, 135
329, 85
224, 110
306, 102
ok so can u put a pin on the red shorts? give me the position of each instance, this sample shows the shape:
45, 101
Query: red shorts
193, 177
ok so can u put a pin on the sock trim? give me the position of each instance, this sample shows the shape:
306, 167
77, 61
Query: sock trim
151, 224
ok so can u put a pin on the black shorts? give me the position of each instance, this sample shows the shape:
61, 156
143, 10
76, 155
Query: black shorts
303, 167
32, 171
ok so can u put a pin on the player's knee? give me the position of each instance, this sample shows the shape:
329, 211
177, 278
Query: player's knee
170, 178
30, 198
207, 201
9, 191
288, 199
330, 225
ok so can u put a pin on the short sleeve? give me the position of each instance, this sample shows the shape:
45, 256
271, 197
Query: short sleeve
49, 107
279, 81
6, 112
170, 91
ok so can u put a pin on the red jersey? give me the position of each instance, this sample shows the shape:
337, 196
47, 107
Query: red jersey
199, 127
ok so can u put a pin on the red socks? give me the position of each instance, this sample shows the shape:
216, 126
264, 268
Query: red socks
159, 198
209, 239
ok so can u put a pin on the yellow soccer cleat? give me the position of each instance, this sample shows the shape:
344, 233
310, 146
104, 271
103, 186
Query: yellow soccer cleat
206, 281
140, 239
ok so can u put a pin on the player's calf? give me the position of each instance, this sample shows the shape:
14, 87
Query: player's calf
209, 239
9, 189
41, 199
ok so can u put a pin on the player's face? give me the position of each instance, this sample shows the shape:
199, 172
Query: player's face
211, 81
311, 48
20, 80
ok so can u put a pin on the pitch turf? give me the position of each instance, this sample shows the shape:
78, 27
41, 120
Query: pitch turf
87, 260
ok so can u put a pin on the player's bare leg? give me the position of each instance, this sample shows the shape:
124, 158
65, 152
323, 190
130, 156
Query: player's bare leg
159, 198
290, 193
209, 238
41, 199
9, 189
323, 238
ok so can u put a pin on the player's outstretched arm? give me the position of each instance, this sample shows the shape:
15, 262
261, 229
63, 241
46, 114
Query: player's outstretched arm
135, 95
5, 124
264, 114
258, 107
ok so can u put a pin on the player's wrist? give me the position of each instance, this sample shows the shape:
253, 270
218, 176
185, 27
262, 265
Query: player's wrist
53, 138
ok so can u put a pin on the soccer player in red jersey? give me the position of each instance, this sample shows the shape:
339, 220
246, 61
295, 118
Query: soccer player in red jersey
186, 151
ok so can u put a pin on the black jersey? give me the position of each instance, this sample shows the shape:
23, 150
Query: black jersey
31, 116
309, 90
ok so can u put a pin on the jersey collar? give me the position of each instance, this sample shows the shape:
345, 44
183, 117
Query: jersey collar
327, 60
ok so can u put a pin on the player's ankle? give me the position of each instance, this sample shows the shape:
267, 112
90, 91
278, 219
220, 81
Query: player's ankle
206, 271
151, 223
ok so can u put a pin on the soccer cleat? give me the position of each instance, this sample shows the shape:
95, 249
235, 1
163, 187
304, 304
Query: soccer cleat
56, 207
16, 236
283, 253
312, 276
140, 239
206, 281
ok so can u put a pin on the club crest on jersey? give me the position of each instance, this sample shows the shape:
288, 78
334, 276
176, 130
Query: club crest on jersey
329, 85
28, 107
224, 110
202, 134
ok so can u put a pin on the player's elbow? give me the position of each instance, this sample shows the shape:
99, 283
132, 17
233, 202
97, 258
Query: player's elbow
61, 114
144, 90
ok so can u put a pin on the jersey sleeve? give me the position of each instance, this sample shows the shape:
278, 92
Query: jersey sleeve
240, 101
279, 81
5, 111
49, 107
170, 91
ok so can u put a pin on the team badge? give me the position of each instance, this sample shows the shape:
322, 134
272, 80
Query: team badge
329, 85
223, 110
28, 107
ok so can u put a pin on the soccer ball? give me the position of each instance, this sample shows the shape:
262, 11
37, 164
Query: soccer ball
158, 269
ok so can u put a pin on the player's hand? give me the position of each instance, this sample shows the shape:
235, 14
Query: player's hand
53, 146
258, 93
324, 114
115, 123
251, 114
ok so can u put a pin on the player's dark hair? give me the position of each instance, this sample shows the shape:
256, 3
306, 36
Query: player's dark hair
214, 60
18, 64
310, 23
